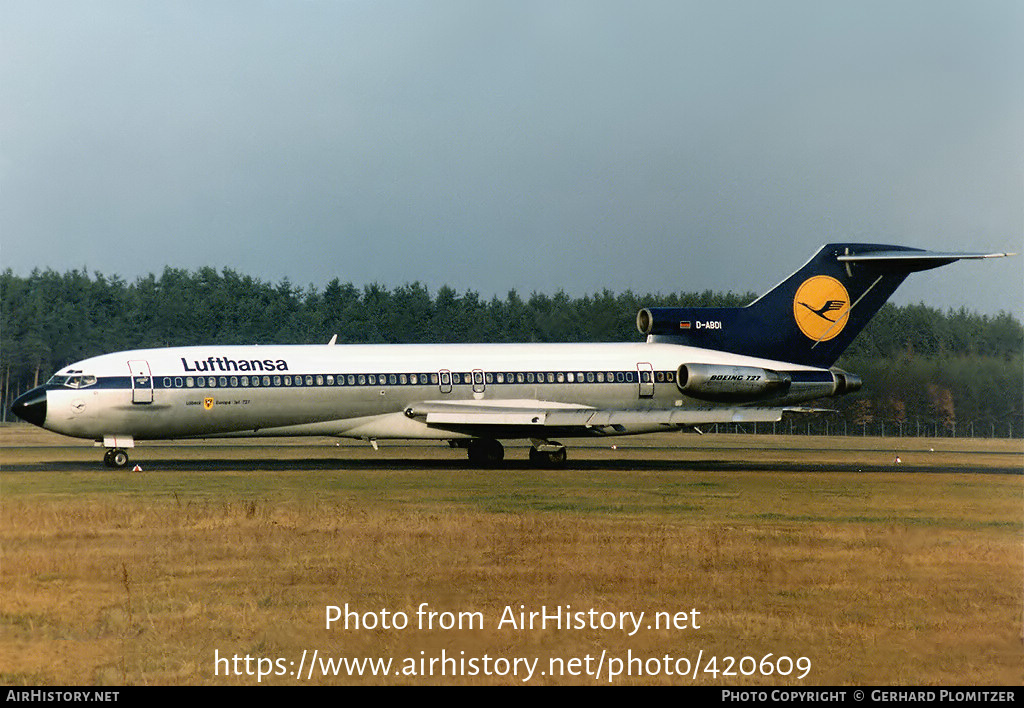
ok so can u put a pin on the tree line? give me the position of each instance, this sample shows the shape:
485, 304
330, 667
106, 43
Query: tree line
917, 363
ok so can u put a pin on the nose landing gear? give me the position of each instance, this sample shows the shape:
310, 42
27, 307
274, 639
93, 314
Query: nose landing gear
116, 458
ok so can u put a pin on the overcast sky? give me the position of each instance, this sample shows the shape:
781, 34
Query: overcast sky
652, 146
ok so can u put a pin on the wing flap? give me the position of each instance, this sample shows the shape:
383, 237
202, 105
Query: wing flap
549, 414
500, 412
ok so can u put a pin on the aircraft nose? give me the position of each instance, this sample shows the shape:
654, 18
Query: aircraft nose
31, 407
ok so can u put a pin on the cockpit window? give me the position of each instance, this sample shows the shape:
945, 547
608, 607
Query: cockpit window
76, 381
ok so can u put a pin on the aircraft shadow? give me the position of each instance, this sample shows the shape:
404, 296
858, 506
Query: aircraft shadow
513, 465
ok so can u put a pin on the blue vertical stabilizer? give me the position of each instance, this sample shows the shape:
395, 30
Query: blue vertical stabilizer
809, 318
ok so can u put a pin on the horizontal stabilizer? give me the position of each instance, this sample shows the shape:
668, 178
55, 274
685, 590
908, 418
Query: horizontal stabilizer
915, 260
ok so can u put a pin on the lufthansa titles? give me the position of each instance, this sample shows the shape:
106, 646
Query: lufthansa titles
223, 363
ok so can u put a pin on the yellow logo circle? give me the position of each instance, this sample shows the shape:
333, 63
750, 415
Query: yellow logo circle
821, 308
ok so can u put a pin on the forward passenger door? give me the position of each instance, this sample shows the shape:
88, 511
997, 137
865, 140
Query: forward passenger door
142, 381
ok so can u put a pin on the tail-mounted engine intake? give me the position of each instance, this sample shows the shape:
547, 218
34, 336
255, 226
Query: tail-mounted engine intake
671, 320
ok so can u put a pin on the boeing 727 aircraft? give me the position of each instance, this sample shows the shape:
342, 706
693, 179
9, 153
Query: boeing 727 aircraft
697, 366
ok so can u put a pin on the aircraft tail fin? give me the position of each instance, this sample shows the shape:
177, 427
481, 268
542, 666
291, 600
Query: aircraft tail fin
811, 316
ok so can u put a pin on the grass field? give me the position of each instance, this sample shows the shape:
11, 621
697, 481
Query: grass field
824, 552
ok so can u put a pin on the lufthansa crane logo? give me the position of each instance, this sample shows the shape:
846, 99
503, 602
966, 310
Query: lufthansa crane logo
821, 308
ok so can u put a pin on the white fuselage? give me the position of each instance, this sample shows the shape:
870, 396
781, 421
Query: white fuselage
371, 391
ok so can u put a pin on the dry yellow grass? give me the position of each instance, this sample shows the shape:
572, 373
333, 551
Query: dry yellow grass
881, 576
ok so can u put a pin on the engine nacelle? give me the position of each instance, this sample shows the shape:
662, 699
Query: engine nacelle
714, 382
845, 382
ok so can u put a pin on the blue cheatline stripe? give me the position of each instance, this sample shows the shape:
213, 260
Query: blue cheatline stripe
430, 379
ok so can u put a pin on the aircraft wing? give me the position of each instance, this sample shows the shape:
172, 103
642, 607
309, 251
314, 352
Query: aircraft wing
484, 415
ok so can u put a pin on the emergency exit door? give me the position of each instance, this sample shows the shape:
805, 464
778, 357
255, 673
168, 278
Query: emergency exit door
645, 374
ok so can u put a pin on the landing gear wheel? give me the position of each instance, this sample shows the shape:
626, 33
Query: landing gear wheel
548, 458
485, 452
116, 458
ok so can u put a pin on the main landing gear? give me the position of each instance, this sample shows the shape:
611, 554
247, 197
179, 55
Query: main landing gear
547, 453
116, 458
486, 452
